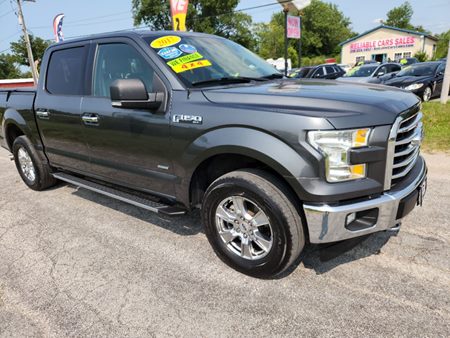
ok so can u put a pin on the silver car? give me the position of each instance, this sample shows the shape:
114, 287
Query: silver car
370, 73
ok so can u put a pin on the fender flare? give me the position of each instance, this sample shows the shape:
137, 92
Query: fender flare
253, 143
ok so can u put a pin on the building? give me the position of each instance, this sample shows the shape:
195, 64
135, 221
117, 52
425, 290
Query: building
384, 43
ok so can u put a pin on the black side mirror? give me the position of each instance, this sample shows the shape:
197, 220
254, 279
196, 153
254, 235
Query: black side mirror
131, 93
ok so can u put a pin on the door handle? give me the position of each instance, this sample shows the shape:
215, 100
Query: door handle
43, 114
91, 119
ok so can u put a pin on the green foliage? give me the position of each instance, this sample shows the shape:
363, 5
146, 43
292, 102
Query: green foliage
324, 26
421, 56
437, 126
19, 49
401, 17
206, 16
8, 70
442, 45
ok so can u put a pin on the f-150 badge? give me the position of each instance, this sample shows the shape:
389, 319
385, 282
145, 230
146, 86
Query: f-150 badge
187, 119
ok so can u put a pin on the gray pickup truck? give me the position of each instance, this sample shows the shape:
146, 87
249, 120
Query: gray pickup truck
172, 121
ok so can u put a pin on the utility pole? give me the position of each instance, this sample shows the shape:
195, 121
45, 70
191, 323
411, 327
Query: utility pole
27, 41
446, 83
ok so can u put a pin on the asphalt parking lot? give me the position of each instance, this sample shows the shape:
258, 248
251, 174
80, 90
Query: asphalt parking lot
73, 263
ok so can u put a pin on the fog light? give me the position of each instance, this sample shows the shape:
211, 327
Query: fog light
350, 218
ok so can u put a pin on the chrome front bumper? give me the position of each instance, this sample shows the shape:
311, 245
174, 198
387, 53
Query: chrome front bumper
327, 223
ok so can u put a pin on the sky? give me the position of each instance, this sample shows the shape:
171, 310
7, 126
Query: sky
85, 17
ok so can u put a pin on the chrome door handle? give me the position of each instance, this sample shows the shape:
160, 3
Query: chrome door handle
43, 114
90, 119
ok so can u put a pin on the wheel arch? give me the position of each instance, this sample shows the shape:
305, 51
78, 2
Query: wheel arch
228, 149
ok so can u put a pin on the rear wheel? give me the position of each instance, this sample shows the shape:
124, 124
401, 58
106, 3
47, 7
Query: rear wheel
35, 174
252, 224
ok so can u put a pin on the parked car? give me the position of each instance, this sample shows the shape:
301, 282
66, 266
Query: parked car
424, 79
408, 61
370, 73
301, 72
176, 121
345, 67
325, 71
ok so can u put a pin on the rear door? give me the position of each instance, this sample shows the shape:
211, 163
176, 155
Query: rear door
129, 147
57, 106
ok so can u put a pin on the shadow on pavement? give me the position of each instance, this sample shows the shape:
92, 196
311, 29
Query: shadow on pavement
321, 258
185, 225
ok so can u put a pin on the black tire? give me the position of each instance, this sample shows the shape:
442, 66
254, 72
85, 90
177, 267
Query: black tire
42, 176
269, 195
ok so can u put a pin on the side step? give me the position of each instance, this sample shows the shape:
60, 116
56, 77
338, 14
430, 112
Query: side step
120, 195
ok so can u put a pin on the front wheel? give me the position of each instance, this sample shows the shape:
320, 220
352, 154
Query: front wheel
252, 223
426, 96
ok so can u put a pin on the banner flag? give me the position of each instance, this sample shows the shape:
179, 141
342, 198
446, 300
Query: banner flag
57, 27
178, 9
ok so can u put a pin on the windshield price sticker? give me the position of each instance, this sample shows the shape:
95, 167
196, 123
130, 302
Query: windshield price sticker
168, 53
165, 41
189, 49
191, 65
185, 59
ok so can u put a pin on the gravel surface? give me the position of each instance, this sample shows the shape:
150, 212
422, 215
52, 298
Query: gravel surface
73, 263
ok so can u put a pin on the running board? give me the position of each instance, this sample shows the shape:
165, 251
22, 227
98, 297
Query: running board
120, 195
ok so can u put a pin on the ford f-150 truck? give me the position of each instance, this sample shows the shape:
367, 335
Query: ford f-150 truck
173, 121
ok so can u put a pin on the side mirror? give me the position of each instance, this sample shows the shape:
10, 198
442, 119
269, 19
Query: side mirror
380, 74
439, 74
131, 93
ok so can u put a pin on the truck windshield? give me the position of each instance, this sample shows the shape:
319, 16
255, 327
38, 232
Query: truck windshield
208, 60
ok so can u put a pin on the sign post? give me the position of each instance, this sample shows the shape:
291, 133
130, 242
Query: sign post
292, 25
446, 83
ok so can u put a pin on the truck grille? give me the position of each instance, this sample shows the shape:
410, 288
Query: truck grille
403, 146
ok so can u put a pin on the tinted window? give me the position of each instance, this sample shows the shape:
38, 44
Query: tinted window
330, 69
119, 61
441, 68
65, 74
395, 68
382, 69
319, 72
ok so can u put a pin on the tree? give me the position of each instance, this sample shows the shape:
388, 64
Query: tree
8, 70
421, 56
19, 49
207, 16
401, 17
442, 45
324, 26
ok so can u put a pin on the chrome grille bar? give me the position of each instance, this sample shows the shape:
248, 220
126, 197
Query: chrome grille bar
403, 147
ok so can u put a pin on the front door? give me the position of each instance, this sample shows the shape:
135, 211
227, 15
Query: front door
129, 147
57, 108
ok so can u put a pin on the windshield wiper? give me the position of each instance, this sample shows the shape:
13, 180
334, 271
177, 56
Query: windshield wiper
273, 76
225, 80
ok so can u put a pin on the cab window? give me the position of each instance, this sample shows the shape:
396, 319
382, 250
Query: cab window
65, 71
119, 61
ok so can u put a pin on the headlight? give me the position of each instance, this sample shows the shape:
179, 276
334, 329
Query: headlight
414, 86
336, 146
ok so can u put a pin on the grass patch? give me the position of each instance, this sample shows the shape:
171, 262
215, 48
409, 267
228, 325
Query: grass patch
437, 126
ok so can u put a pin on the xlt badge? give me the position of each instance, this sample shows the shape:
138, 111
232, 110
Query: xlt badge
187, 119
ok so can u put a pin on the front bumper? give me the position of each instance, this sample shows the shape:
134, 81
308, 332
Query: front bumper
328, 223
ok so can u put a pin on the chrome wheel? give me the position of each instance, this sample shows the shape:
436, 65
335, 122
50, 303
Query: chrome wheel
427, 94
26, 164
244, 227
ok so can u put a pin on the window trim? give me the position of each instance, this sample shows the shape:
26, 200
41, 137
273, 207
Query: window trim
133, 44
84, 68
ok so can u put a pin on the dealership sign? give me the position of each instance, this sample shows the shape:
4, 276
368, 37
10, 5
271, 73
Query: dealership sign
293, 27
399, 42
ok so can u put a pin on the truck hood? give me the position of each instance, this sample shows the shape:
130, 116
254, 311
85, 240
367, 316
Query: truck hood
343, 104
